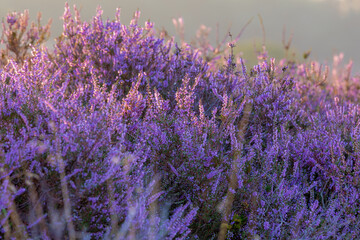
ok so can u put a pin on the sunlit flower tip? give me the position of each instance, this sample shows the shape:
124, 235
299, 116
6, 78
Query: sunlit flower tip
11, 18
137, 14
149, 25
231, 44
174, 22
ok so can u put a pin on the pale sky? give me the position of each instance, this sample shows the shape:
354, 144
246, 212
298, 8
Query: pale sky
327, 27
344, 6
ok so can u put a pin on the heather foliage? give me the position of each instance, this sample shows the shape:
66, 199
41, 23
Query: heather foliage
120, 133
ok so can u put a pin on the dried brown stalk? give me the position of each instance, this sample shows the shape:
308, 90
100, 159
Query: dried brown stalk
154, 207
15, 217
39, 213
113, 215
234, 170
65, 193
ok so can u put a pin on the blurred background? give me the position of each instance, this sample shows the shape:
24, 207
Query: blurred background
326, 27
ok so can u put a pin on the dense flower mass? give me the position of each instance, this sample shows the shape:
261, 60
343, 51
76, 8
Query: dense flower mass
118, 132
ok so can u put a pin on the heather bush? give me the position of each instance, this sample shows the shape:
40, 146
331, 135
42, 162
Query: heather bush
120, 133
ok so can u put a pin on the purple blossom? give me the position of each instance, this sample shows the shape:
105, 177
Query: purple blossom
119, 132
